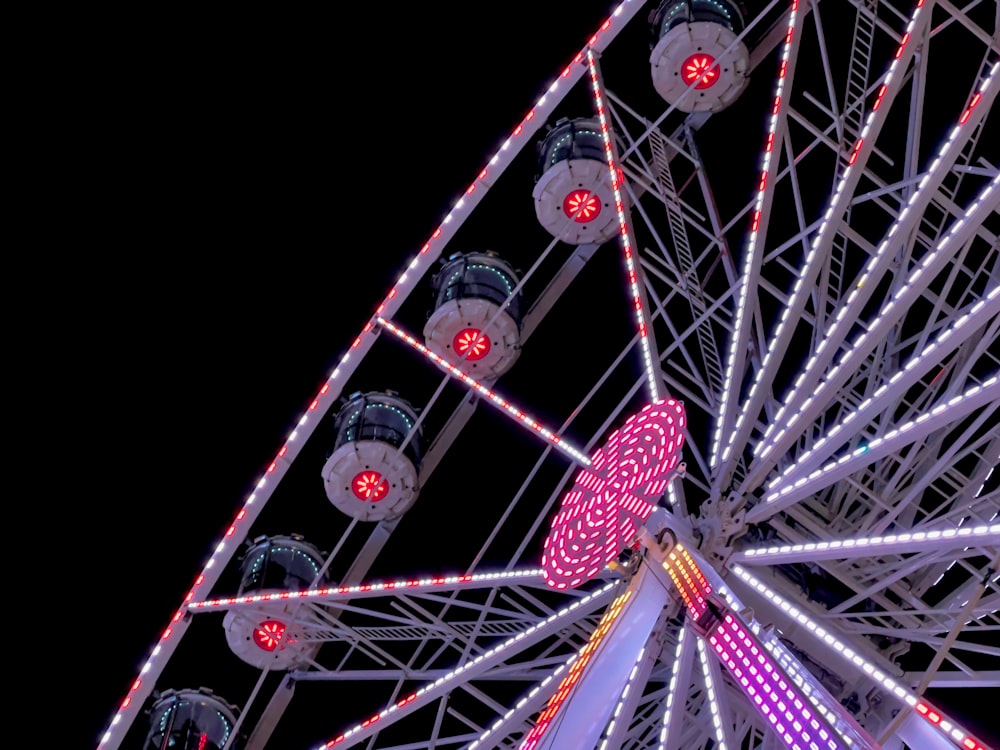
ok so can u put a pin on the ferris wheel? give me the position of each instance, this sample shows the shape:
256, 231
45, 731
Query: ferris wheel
678, 432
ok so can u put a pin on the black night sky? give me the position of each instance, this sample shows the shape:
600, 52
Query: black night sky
249, 185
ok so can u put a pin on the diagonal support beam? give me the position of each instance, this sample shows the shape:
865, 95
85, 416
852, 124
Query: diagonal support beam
954, 410
781, 341
817, 385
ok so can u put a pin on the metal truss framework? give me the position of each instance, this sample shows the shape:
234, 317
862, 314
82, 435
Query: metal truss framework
826, 303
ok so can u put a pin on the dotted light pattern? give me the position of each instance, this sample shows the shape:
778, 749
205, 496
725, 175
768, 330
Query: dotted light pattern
575, 672
904, 432
713, 703
909, 373
374, 589
491, 654
672, 688
620, 706
803, 282
904, 539
769, 691
498, 401
804, 680
689, 580
600, 515
425, 257
624, 231
923, 708
847, 315
758, 224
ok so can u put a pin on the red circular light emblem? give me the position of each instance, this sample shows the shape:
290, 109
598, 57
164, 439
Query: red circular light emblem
700, 68
582, 205
269, 635
369, 485
471, 344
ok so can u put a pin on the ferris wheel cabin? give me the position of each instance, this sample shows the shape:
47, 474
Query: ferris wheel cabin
698, 61
263, 636
476, 323
371, 475
191, 720
574, 195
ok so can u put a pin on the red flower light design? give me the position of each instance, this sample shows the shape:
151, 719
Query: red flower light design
701, 68
582, 205
269, 635
471, 344
369, 485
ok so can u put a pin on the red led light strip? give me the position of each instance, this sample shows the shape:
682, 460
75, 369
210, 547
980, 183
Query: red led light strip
934, 717
373, 589
689, 580
624, 231
576, 670
499, 402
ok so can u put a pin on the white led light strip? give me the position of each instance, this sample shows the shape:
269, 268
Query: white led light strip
948, 339
957, 407
864, 286
365, 590
810, 267
758, 228
491, 656
499, 402
625, 232
673, 694
902, 543
858, 662
710, 689
621, 703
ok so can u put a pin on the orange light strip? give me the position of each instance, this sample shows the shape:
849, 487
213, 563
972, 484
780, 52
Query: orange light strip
575, 672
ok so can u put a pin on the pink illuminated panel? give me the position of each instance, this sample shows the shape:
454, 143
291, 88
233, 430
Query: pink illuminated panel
599, 516
770, 691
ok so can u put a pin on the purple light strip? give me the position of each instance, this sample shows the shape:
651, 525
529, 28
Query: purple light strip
770, 690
